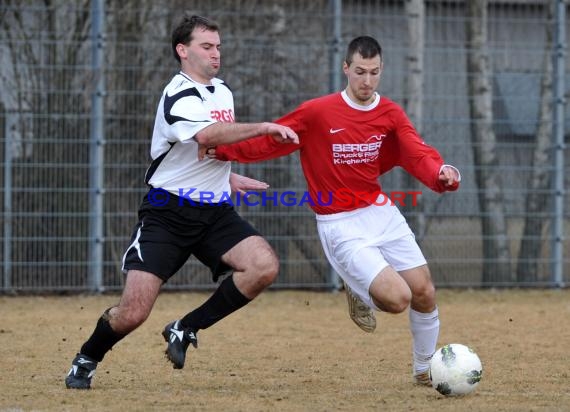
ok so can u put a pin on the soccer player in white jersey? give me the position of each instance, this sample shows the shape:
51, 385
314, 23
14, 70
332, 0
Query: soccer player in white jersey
346, 141
183, 213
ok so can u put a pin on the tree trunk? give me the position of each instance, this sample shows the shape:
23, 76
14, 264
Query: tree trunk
539, 181
415, 20
496, 253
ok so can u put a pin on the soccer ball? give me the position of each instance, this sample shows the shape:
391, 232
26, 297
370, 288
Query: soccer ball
455, 369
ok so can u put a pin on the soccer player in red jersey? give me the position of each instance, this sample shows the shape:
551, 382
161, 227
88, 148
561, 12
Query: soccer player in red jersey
346, 141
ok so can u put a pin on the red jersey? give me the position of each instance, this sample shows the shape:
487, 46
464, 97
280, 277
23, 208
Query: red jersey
344, 148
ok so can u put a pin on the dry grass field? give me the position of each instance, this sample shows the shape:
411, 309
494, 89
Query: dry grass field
287, 351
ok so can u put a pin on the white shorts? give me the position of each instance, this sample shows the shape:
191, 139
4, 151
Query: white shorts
359, 244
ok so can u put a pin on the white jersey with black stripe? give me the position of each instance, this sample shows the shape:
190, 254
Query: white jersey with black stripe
185, 108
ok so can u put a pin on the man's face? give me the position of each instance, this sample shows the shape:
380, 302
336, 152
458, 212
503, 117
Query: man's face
201, 57
363, 78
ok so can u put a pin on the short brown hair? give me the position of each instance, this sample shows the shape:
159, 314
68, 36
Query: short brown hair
366, 46
183, 32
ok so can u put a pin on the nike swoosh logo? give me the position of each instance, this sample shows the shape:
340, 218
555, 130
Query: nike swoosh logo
333, 131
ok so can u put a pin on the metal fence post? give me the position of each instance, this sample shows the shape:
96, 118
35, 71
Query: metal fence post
9, 126
558, 144
335, 85
96, 155
336, 52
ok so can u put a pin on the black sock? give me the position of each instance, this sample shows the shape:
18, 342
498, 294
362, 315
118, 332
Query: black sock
102, 339
225, 300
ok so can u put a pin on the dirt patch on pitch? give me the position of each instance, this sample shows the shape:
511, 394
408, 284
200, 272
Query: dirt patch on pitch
287, 351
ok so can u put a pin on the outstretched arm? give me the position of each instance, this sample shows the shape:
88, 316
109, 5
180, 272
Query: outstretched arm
251, 150
225, 133
263, 147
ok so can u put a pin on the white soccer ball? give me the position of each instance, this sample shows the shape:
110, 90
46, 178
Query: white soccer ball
455, 369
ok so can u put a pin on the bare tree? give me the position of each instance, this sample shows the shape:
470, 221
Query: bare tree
539, 181
45, 41
496, 253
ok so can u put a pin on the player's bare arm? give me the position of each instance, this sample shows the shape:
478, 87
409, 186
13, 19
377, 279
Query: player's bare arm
226, 133
281, 134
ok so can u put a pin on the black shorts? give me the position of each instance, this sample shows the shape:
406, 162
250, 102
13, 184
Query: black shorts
166, 236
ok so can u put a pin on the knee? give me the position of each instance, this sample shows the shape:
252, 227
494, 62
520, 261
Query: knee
127, 319
137, 318
400, 301
266, 269
424, 295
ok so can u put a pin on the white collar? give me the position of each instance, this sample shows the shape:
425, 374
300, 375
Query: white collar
361, 107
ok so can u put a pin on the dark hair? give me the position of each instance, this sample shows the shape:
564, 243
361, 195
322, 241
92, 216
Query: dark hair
366, 46
183, 32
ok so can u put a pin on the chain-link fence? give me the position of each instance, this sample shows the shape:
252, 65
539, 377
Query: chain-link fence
482, 80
